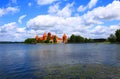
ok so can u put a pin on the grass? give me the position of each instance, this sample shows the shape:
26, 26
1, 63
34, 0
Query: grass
80, 72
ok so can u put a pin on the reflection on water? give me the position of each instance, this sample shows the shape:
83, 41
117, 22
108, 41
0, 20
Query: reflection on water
22, 60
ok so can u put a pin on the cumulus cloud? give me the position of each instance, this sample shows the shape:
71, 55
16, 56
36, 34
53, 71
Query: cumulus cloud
8, 27
8, 10
21, 18
11, 32
90, 5
109, 12
104, 31
64, 12
58, 25
45, 2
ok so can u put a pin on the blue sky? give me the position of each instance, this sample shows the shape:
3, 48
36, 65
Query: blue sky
21, 19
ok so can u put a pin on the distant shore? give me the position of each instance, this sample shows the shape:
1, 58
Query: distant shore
9, 42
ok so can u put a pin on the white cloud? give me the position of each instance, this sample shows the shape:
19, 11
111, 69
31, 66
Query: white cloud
8, 10
81, 8
8, 27
21, 18
54, 9
90, 5
11, 32
45, 2
64, 12
103, 31
56, 24
109, 12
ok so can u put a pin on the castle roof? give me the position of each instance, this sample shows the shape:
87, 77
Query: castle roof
45, 34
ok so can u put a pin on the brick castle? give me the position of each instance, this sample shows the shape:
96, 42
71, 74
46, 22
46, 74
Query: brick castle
51, 38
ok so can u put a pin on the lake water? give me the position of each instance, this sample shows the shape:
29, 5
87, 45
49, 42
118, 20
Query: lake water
23, 61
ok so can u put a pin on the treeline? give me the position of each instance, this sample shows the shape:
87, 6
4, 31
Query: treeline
9, 42
79, 39
114, 38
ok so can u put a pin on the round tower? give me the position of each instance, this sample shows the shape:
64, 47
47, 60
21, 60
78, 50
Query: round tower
64, 38
44, 36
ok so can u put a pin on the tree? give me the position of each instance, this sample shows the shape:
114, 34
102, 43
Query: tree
54, 39
48, 38
72, 38
76, 39
112, 38
117, 33
30, 40
79, 39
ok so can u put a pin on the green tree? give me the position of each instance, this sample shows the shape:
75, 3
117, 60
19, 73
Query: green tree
76, 39
79, 39
112, 38
48, 39
30, 40
86, 40
54, 39
117, 33
72, 39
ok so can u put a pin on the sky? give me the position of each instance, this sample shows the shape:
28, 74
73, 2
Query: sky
21, 19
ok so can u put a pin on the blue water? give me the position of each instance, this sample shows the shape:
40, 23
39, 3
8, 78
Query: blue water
23, 61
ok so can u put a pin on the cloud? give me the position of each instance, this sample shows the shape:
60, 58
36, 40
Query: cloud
45, 2
64, 12
21, 18
11, 32
109, 12
81, 8
104, 31
90, 5
8, 10
10, 27
57, 24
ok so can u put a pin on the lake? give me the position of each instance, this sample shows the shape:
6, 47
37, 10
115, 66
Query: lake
37, 61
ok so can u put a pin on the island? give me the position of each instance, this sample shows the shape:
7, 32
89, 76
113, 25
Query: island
47, 38
54, 39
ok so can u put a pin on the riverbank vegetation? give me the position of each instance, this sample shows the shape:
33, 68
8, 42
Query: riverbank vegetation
114, 38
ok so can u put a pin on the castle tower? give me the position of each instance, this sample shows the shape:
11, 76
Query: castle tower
64, 38
36, 38
44, 36
49, 34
